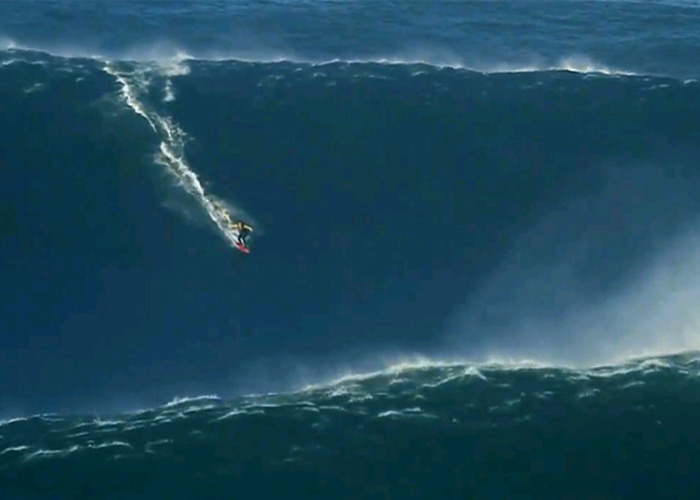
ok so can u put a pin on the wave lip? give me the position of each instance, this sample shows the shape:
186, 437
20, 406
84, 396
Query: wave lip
574, 64
170, 60
581, 65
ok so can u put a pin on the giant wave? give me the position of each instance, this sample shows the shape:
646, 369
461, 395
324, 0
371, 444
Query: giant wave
434, 430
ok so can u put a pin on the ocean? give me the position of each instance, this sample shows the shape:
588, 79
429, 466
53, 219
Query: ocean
473, 270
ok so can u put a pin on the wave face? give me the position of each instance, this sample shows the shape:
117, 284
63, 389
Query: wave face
429, 432
465, 180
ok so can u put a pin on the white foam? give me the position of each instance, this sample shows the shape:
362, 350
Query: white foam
128, 94
473, 371
195, 399
169, 92
149, 446
12, 421
406, 412
105, 423
78, 434
110, 444
14, 449
52, 453
15, 60
33, 88
574, 64
171, 60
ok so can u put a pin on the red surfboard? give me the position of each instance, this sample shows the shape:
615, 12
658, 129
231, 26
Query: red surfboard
241, 247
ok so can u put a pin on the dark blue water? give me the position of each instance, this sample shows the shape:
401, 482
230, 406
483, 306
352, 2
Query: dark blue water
428, 182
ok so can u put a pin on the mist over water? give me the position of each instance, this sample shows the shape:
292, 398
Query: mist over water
608, 276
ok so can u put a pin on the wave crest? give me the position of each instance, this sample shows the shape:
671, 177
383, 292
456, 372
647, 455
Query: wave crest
171, 58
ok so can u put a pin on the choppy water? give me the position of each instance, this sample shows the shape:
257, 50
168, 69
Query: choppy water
450, 431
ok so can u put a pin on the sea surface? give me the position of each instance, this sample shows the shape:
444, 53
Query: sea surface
473, 272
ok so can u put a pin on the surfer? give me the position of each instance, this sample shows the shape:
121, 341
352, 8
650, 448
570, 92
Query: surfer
243, 231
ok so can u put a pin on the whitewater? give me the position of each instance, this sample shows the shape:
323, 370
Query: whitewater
419, 418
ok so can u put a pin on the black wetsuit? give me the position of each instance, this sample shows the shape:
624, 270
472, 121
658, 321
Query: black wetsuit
242, 235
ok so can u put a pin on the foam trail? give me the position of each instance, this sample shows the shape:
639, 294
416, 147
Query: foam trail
171, 148
129, 96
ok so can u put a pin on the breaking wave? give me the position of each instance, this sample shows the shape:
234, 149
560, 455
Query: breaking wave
175, 57
436, 410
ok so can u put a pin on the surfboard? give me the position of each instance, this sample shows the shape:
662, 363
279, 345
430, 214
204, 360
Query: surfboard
241, 247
